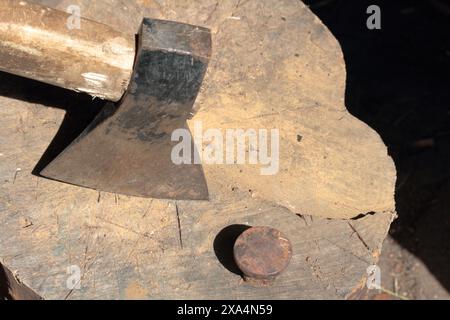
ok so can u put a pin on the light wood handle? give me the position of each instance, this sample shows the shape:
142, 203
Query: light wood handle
40, 43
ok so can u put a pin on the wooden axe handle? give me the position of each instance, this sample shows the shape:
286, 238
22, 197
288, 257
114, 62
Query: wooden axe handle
48, 45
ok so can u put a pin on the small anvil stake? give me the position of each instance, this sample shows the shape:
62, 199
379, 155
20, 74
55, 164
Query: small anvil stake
127, 148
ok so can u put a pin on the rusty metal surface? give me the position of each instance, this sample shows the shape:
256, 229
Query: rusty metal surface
127, 149
262, 253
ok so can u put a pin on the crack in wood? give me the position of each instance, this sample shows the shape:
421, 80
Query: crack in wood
179, 225
359, 236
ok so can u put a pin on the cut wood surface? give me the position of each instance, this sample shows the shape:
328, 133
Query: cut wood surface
274, 65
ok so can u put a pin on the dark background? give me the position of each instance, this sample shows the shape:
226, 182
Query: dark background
398, 82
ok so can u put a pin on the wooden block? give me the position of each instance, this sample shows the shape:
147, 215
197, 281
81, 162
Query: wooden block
274, 66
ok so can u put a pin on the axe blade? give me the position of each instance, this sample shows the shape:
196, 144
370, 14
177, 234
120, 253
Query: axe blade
127, 149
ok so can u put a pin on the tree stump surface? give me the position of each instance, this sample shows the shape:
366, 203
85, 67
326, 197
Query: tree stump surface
274, 65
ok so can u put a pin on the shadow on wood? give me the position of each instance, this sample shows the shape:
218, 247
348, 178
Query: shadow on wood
80, 109
224, 243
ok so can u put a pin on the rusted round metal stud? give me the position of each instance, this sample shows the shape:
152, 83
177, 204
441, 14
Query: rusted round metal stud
262, 253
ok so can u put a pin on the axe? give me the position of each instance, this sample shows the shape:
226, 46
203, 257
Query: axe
151, 81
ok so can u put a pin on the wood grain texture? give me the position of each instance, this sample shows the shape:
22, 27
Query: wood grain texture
36, 42
131, 248
274, 65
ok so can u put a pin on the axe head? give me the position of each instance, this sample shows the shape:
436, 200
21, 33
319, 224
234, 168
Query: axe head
127, 149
